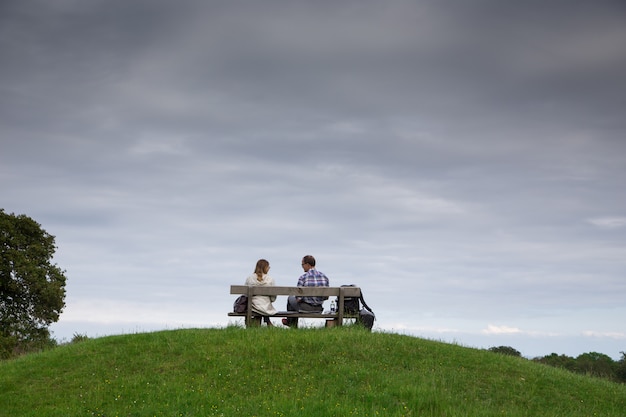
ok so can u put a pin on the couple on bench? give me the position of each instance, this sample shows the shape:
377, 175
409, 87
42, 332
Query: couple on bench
262, 304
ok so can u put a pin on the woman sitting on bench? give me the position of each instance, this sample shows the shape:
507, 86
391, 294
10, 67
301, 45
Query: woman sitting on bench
262, 304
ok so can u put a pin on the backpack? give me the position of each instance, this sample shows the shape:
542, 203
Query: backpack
351, 306
241, 304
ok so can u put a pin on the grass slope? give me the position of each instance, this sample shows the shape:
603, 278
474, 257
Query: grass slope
304, 372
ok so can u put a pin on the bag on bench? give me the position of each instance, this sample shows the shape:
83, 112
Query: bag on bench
351, 306
241, 304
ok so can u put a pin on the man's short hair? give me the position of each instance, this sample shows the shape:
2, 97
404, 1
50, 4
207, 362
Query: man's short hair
309, 260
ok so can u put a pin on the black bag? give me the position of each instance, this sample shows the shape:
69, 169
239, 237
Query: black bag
241, 304
351, 306
366, 318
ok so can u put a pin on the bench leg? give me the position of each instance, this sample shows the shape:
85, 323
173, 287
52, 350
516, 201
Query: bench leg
291, 322
254, 322
332, 323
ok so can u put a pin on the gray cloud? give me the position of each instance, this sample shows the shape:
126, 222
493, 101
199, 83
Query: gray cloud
469, 153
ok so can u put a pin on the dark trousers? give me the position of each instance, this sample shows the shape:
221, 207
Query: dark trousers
294, 305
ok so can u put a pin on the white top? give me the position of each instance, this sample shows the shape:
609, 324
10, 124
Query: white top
262, 304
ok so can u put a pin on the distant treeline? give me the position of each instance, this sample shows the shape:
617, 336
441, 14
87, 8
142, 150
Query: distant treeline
591, 364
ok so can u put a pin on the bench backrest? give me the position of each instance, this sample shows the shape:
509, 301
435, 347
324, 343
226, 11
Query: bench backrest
298, 291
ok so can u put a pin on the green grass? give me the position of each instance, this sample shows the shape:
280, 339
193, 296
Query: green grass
304, 372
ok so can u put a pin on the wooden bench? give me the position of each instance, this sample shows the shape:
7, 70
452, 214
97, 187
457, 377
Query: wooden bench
254, 319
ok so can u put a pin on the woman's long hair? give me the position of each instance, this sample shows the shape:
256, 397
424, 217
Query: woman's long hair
262, 268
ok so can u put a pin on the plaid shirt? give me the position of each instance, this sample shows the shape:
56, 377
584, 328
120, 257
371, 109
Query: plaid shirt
313, 278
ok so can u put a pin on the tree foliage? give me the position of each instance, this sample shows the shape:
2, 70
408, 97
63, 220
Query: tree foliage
505, 350
620, 370
559, 361
32, 288
592, 364
595, 364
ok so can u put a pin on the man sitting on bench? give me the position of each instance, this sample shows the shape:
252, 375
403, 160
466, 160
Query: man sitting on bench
311, 278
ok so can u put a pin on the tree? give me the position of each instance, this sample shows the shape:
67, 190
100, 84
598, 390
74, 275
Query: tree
591, 364
595, 364
32, 288
620, 371
559, 361
505, 350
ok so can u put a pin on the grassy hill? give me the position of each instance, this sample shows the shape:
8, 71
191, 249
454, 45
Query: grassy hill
304, 372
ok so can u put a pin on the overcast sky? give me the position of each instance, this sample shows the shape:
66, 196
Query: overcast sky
463, 162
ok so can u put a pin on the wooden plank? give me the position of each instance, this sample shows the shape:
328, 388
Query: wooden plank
298, 291
340, 304
249, 309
